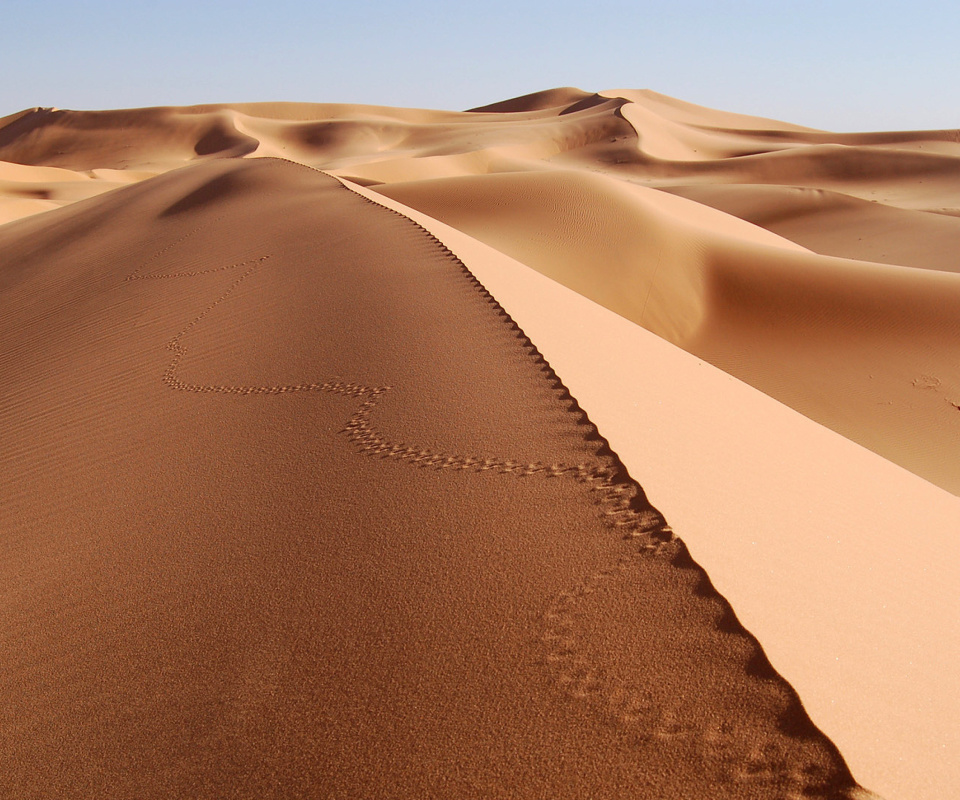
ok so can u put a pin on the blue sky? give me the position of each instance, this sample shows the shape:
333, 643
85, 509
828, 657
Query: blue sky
842, 66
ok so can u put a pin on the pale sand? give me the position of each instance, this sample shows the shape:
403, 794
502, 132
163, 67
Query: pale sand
866, 348
25, 191
842, 564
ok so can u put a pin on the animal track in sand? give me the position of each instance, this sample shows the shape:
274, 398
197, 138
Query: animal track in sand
579, 671
619, 500
926, 382
592, 651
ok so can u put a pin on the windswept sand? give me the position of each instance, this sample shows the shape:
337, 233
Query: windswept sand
842, 563
290, 507
298, 512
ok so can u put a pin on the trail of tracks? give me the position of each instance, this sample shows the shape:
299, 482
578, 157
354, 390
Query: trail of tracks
576, 670
620, 499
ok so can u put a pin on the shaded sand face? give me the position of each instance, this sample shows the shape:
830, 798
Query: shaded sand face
293, 509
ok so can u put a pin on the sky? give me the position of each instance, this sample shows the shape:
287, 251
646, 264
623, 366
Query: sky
845, 66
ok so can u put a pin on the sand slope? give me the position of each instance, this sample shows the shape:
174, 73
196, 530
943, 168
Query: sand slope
866, 349
292, 509
841, 562
840, 225
193, 363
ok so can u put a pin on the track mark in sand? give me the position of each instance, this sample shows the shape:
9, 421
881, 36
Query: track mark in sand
138, 277
622, 503
760, 762
632, 701
579, 671
166, 249
926, 382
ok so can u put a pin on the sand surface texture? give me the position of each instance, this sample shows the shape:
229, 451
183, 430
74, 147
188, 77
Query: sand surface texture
802, 530
847, 313
291, 507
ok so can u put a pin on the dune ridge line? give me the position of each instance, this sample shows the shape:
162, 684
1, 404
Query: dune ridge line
574, 671
259, 584
623, 502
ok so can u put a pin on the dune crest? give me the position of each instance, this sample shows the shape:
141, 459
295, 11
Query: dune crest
317, 518
535, 166
211, 312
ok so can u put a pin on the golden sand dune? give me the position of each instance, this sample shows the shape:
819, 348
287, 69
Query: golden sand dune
841, 562
866, 349
294, 509
837, 224
561, 180
291, 507
28, 190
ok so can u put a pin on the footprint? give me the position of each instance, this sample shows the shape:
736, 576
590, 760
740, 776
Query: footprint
926, 382
652, 656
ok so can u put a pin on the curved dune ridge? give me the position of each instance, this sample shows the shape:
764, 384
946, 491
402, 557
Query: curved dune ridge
801, 529
210, 312
566, 182
209, 592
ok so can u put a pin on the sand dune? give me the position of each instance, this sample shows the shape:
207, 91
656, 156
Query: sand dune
864, 348
290, 506
25, 191
212, 591
840, 225
531, 175
803, 530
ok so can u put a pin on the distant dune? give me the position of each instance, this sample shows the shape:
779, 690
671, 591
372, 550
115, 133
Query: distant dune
295, 505
561, 181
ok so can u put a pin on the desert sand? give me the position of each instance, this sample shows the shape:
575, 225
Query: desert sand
356, 451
